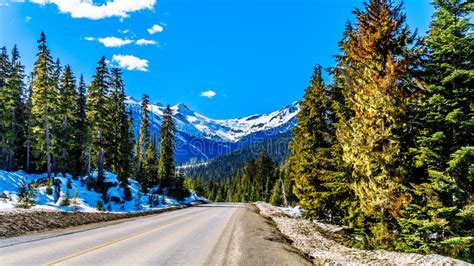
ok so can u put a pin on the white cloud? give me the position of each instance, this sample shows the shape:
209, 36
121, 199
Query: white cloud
155, 28
87, 8
209, 94
114, 41
27, 19
130, 62
124, 31
118, 42
145, 42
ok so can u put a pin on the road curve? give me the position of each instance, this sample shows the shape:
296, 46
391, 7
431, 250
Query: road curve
202, 235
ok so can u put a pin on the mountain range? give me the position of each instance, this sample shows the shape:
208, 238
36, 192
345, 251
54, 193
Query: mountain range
199, 138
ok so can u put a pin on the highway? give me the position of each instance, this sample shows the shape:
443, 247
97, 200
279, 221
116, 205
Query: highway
212, 234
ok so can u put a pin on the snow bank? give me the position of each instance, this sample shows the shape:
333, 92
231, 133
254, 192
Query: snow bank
310, 239
11, 182
294, 212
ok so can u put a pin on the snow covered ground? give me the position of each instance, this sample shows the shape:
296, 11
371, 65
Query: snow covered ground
11, 183
294, 212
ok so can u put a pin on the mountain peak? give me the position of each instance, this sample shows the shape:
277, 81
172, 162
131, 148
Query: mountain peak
225, 130
205, 138
182, 108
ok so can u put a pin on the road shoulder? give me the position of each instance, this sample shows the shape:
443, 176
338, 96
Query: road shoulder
250, 239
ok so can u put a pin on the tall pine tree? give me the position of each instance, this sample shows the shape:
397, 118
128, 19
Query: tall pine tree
42, 106
166, 166
378, 56
82, 140
4, 73
143, 140
315, 164
439, 215
122, 144
12, 110
150, 165
98, 116
56, 118
67, 111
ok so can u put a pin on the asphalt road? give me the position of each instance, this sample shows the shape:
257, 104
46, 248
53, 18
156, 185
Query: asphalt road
213, 234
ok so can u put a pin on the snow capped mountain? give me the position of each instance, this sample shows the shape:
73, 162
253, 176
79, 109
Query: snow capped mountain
199, 137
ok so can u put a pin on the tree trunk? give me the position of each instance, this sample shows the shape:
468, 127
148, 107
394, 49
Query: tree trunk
28, 156
89, 159
48, 153
283, 192
63, 155
63, 162
100, 162
9, 160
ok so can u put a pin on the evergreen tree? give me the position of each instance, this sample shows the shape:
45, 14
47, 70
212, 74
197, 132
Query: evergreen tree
247, 178
237, 188
441, 198
379, 56
264, 178
149, 166
28, 124
178, 188
144, 140
82, 138
67, 199
277, 195
209, 189
67, 111
289, 197
316, 167
49, 186
21, 127
98, 96
43, 100
199, 186
189, 183
56, 118
12, 110
4, 73
122, 151
27, 195
166, 166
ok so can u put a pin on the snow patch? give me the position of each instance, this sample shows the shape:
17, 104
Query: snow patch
11, 182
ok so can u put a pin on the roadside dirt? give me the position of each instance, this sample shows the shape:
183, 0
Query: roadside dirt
250, 239
28, 222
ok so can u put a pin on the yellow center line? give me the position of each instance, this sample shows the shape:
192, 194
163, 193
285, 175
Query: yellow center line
80, 253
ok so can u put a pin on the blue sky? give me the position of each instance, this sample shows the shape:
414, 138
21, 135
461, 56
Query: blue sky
255, 55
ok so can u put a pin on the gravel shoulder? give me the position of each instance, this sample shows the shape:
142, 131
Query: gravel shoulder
312, 240
251, 239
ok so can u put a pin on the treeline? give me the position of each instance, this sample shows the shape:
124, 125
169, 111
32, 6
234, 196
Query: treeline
387, 147
55, 124
229, 164
261, 179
